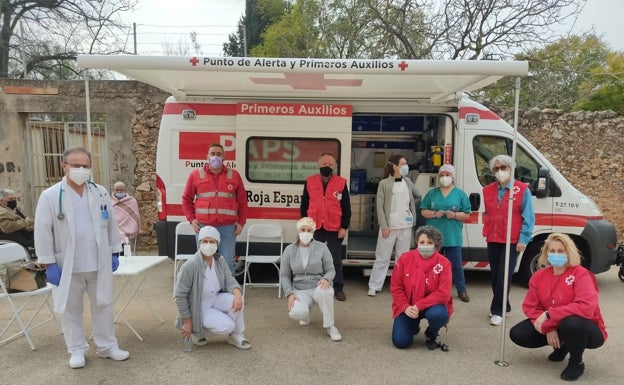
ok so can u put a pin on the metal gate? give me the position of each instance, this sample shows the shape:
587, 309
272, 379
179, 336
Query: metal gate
48, 135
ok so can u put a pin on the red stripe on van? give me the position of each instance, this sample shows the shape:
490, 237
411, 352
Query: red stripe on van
200, 108
549, 219
274, 213
483, 114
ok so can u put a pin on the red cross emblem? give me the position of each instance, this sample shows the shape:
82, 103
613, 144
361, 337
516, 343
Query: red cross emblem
308, 81
403, 65
194, 60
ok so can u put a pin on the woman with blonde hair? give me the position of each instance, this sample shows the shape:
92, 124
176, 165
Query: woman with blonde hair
562, 307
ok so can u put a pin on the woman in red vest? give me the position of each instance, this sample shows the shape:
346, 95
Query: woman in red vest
496, 200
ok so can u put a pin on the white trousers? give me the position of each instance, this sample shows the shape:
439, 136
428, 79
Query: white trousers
219, 318
306, 298
101, 316
399, 240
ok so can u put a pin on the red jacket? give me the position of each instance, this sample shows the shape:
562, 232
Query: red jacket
574, 292
495, 216
423, 282
215, 199
325, 208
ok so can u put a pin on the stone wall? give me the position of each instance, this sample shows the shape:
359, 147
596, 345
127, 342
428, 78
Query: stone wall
132, 111
587, 148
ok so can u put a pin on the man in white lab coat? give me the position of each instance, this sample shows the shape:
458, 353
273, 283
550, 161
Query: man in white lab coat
77, 239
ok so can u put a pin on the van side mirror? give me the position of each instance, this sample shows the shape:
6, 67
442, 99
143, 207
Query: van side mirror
543, 183
475, 201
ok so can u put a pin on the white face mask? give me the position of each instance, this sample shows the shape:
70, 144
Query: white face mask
79, 175
502, 176
426, 250
305, 237
446, 180
208, 249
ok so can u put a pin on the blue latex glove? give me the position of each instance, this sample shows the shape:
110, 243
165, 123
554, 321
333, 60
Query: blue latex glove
53, 274
115, 261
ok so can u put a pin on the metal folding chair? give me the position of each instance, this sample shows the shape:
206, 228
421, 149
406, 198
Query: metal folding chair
266, 238
182, 229
10, 253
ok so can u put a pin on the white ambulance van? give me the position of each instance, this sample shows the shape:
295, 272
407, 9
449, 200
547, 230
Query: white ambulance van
274, 118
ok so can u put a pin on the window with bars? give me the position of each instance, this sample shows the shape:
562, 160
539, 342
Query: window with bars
49, 134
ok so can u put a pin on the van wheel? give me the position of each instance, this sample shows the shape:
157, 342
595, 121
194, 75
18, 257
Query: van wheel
529, 264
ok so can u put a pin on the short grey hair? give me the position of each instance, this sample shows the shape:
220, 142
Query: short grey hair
75, 150
5, 192
504, 159
432, 233
120, 184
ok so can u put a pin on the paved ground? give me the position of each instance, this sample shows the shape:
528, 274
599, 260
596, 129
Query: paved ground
285, 353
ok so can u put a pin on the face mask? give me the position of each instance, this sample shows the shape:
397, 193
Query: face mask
557, 260
215, 161
502, 176
326, 171
305, 237
120, 195
12, 204
79, 175
446, 180
426, 251
208, 249
404, 169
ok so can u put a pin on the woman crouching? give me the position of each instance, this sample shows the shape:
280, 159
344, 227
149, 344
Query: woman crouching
208, 298
421, 289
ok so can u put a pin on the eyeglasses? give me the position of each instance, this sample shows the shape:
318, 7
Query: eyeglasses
78, 165
501, 168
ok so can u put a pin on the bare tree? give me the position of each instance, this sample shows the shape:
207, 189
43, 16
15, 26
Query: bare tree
438, 29
55, 31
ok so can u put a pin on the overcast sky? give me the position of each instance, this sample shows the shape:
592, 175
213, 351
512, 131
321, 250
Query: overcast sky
214, 20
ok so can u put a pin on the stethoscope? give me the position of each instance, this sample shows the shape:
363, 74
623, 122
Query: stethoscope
90, 184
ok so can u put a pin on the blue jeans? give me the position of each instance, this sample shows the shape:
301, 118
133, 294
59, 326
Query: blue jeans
227, 244
454, 255
405, 328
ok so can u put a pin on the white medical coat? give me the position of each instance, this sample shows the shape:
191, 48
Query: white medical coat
55, 239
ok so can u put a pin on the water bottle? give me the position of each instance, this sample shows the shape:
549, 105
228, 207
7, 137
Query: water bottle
188, 344
127, 250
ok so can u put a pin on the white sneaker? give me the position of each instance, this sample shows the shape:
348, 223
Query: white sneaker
334, 334
199, 341
77, 360
305, 322
496, 320
372, 292
508, 314
114, 354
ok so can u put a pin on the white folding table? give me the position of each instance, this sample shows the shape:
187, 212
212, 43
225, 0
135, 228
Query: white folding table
131, 270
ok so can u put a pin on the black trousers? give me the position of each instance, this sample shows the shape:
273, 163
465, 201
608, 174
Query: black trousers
575, 333
334, 244
496, 256
23, 237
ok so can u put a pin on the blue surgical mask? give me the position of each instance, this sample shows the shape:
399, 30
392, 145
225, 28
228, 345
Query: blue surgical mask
120, 195
404, 170
557, 260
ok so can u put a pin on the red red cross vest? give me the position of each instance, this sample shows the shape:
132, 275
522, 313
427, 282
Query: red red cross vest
215, 198
495, 216
325, 207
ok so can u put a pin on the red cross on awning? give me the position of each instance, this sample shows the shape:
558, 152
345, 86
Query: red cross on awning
308, 81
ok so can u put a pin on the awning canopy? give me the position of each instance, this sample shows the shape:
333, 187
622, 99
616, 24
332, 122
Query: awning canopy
429, 81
